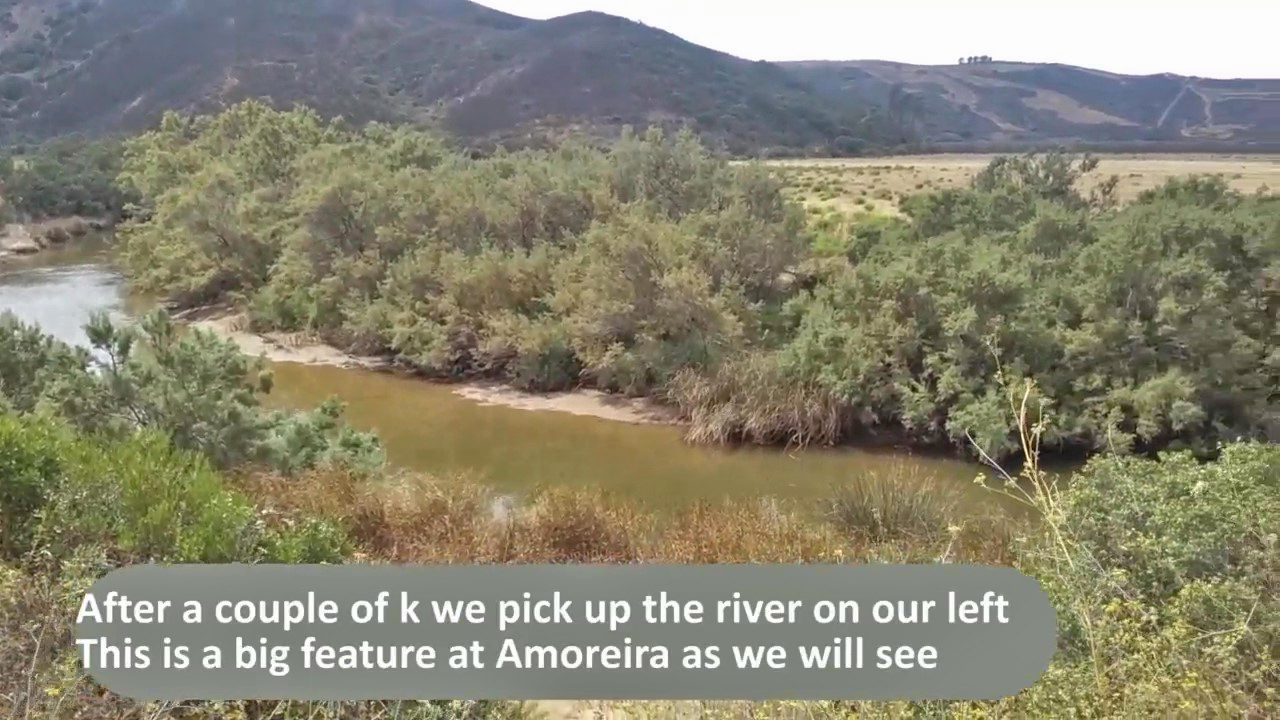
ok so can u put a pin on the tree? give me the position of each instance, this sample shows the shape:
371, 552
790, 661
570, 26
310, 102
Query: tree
193, 387
70, 176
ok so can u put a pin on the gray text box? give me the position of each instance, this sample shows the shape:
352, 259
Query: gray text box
969, 660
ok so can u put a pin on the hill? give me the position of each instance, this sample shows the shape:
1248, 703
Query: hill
107, 66
99, 66
1009, 103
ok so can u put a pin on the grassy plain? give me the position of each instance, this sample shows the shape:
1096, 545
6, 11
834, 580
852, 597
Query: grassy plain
878, 184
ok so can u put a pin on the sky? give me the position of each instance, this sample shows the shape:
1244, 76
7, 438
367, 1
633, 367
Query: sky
1222, 38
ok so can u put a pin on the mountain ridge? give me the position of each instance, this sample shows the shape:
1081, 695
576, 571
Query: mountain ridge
1010, 102
114, 66
109, 66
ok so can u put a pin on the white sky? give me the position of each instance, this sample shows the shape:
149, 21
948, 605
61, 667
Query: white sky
1209, 38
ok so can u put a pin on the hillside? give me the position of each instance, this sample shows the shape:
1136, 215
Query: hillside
1012, 103
105, 66
100, 66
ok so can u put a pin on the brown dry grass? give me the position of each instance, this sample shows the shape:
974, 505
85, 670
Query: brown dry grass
750, 399
878, 184
412, 518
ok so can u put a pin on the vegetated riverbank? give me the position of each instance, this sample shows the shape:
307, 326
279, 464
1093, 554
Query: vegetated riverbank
228, 323
58, 193
1160, 570
425, 426
299, 348
655, 269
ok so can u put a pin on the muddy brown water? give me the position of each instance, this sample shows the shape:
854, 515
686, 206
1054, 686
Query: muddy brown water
426, 426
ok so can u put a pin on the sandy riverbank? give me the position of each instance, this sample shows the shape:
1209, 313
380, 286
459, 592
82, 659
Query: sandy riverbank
297, 348
592, 403
276, 347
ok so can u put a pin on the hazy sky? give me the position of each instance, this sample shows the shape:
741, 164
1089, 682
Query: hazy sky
1214, 38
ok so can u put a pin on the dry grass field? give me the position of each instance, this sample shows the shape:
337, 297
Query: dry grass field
878, 184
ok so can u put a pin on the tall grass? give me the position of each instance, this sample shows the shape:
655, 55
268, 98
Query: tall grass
750, 399
412, 518
904, 504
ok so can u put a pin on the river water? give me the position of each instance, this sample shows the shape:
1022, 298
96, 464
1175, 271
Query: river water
425, 426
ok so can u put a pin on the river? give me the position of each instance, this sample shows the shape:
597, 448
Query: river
428, 427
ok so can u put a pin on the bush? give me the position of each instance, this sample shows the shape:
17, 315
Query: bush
30, 463
656, 268
543, 268
137, 499
754, 399
1164, 577
195, 388
1181, 521
1187, 615
308, 541
31, 363
902, 505
565, 526
146, 502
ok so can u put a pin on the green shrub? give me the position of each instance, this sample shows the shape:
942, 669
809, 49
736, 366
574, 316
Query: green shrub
306, 541
30, 464
1164, 576
32, 362
197, 389
544, 359
1179, 521
136, 499
145, 501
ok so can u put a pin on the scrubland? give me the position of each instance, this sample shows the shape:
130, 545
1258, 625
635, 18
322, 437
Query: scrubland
1020, 314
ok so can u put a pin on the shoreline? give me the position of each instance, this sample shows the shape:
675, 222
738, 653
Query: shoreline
275, 346
583, 401
22, 240
303, 350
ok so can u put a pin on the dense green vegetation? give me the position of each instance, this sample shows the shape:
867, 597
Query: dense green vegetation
193, 387
69, 176
656, 268
117, 456
1163, 572
1149, 326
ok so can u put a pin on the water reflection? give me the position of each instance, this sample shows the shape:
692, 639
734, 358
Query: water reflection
60, 289
427, 426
